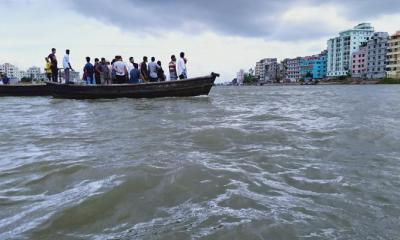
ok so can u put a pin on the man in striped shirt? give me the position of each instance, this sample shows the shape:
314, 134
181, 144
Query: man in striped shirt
172, 69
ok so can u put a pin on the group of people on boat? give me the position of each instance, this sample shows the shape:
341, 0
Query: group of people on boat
117, 71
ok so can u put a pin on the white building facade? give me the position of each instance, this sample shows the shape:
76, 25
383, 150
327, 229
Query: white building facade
11, 71
341, 49
240, 77
34, 73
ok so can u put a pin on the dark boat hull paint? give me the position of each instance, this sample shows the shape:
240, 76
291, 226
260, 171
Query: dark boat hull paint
181, 88
24, 90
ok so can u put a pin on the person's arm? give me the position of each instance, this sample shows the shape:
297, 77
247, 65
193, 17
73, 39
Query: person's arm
69, 64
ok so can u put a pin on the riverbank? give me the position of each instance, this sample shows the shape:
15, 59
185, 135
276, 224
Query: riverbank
330, 82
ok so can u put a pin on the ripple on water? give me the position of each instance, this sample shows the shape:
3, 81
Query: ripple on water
317, 162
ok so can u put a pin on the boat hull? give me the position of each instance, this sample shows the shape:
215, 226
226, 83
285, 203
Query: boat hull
181, 88
22, 90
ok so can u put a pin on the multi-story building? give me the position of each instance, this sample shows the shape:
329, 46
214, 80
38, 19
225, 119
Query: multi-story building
293, 69
341, 49
11, 71
360, 61
271, 71
261, 68
34, 73
240, 77
74, 76
377, 49
313, 66
24, 74
284, 70
393, 56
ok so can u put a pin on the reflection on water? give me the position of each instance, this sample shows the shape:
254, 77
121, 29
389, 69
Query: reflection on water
318, 162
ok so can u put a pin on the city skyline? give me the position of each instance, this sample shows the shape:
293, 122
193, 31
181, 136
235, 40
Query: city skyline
214, 40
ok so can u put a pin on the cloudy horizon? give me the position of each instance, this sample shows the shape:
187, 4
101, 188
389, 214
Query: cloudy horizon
221, 36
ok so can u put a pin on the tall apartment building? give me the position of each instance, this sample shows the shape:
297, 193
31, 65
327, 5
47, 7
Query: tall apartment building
293, 69
263, 69
377, 49
341, 49
360, 62
240, 77
393, 56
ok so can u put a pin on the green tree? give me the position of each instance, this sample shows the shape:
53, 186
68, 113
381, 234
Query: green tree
249, 78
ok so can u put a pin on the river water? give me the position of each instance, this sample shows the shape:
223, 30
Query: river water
315, 162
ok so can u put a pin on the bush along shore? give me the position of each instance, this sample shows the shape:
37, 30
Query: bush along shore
389, 81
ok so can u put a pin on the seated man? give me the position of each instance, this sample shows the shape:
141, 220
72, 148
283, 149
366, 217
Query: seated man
5, 79
134, 74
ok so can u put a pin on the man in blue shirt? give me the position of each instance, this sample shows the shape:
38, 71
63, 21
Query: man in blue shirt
4, 79
88, 72
134, 74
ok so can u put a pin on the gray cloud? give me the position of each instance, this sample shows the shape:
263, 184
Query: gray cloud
256, 18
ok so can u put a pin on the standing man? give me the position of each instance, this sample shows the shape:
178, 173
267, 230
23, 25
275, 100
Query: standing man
67, 67
121, 70
172, 69
153, 70
131, 64
88, 72
105, 76
143, 70
97, 71
181, 67
54, 67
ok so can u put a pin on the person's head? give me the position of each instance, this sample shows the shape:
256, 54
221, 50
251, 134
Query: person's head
153, 59
103, 60
131, 60
67, 51
144, 59
87, 59
113, 61
96, 60
136, 66
118, 58
159, 63
108, 63
173, 58
182, 54
53, 50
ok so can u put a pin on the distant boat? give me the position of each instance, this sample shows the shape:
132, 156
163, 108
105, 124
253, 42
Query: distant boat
24, 90
180, 88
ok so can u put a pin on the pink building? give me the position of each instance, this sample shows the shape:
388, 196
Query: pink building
359, 65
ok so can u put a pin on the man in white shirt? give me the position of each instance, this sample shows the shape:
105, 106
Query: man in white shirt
121, 71
131, 64
181, 67
67, 66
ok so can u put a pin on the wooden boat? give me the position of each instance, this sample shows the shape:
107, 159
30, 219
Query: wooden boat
22, 90
180, 88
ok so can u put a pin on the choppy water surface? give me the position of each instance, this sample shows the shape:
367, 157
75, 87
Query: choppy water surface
318, 162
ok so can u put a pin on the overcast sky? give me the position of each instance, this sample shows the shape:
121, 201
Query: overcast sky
217, 35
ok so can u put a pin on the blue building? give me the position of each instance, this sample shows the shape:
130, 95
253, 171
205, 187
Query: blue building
314, 66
